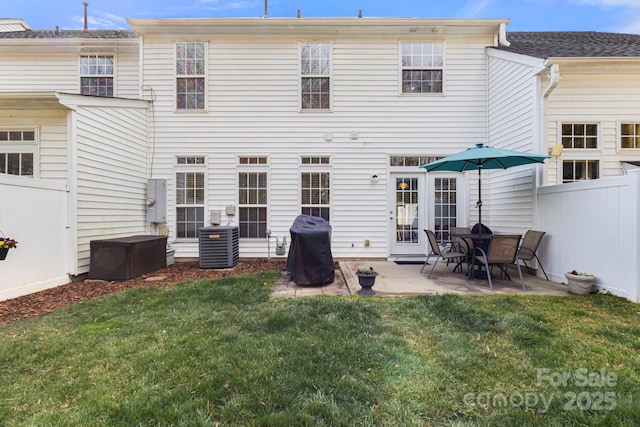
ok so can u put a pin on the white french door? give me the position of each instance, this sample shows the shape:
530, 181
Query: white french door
445, 204
407, 214
418, 201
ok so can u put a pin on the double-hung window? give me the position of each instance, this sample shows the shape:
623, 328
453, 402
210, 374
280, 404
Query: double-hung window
190, 196
18, 149
629, 135
96, 75
190, 76
315, 76
580, 156
422, 67
252, 197
315, 187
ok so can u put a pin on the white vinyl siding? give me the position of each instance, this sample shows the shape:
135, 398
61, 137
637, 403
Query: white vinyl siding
53, 68
602, 94
512, 126
111, 174
256, 110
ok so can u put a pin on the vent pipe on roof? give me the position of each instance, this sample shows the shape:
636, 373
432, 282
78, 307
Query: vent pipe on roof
86, 25
266, 7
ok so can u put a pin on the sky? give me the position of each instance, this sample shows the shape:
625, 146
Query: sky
620, 16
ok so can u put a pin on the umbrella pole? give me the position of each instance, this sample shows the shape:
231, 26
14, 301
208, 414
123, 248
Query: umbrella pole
479, 204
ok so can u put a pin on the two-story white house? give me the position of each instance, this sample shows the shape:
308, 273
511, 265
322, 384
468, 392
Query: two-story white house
261, 120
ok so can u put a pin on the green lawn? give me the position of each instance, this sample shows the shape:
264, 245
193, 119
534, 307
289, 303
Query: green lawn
221, 352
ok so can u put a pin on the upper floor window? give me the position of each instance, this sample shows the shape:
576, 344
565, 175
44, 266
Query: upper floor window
579, 135
315, 72
630, 135
18, 150
96, 75
190, 76
422, 67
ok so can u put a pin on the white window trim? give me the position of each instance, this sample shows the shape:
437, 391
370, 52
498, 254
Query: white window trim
305, 168
114, 75
177, 168
253, 168
204, 76
331, 92
619, 149
580, 150
578, 158
444, 68
24, 147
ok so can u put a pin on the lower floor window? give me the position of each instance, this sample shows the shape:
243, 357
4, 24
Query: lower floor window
252, 197
315, 194
189, 220
189, 203
580, 170
16, 163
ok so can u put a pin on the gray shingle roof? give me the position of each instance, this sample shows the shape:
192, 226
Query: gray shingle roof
573, 44
68, 34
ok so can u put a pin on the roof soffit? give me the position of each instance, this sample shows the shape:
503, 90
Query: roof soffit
319, 26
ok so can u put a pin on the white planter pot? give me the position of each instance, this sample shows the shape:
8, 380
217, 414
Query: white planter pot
581, 285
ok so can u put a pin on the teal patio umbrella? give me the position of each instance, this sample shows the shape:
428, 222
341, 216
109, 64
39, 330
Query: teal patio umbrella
482, 157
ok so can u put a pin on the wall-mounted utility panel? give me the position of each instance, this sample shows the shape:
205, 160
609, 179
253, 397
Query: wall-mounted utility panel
157, 200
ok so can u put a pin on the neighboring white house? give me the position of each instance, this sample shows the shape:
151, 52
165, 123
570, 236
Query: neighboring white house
264, 119
95, 145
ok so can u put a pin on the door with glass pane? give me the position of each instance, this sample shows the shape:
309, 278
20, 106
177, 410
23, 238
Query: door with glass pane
443, 206
407, 214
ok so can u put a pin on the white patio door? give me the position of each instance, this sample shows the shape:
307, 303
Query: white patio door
445, 204
407, 214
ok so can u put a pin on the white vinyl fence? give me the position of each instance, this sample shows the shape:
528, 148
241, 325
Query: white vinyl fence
34, 212
592, 226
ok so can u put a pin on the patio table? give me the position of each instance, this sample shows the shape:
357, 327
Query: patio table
479, 241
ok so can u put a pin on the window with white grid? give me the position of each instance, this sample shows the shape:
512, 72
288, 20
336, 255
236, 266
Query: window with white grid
315, 194
190, 76
18, 151
629, 135
580, 170
96, 75
252, 202
315, 72
190, 202
580, 135
422, 67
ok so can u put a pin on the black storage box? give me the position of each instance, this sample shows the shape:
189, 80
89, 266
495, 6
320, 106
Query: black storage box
127, 257
310, 261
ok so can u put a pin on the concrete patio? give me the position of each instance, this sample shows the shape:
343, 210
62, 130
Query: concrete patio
405, 279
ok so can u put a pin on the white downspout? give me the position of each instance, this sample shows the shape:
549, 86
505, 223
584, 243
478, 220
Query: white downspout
502, 35
553, 71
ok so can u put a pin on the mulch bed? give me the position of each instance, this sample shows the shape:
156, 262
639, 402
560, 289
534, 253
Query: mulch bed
52, 299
